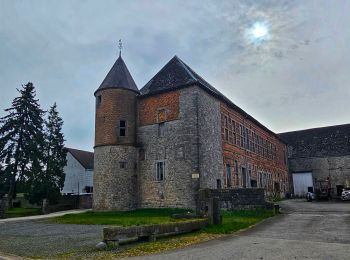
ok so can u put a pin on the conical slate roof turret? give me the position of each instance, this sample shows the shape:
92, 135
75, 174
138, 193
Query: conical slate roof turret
119, 77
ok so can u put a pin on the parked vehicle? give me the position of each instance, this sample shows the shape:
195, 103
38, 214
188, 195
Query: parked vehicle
323, 189
310, 196
345, 195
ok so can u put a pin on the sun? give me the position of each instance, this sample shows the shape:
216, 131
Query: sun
258, 32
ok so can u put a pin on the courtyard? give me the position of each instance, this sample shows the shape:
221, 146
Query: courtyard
317, 230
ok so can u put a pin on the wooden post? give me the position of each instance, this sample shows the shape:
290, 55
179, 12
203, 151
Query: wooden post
2, 208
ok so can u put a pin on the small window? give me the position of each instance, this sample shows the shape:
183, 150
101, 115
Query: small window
160, 171
141, 155
98, 100
228, 175
218, 184
122, 128
161, 129
161, 116
122, 165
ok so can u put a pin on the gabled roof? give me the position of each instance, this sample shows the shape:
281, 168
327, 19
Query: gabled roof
177, 74
85, 158
319, 142
119, 77
174, 74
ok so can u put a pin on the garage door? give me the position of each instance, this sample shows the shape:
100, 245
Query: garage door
301, 181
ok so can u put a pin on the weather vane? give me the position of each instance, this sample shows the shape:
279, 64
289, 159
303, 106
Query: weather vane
120, 46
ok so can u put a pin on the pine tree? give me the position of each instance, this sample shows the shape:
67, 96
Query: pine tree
49, 183
21, 140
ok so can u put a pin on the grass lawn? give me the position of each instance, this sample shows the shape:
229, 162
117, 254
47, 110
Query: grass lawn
22, 212
233, 221
122, 218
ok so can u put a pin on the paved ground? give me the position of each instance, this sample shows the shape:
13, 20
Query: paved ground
27, 237
317, 230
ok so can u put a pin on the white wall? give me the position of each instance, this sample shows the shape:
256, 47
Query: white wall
76, 176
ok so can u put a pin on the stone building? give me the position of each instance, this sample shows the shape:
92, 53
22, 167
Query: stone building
319, 154
79, 172
157, 146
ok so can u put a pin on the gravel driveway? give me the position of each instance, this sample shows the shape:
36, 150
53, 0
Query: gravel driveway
317, 230
37, 238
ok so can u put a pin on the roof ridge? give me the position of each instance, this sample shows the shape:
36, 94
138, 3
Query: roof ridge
186, 67
315, 128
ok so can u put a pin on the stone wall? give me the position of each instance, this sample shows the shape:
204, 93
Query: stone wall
178, 149
210, 146
336, 167
234, 199
115, 188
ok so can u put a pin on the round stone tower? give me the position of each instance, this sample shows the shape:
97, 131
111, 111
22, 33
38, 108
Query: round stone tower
115, 177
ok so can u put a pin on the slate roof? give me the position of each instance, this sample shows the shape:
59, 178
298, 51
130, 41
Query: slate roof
119, 77
177, 74
319, 142
85, 158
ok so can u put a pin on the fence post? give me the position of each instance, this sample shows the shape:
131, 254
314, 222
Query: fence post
214, 213
2, 208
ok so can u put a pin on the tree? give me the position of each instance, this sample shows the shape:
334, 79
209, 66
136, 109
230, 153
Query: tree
21, 140
48, 184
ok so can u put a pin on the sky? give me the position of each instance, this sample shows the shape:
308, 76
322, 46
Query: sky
294, 75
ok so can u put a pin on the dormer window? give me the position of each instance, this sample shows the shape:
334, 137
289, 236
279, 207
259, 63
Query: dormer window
122, 128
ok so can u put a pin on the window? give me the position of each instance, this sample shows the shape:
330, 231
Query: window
161, 129
122, 128
122, 165
218, 184
228, 175
160, 171
141, 155
161, 116
98, 100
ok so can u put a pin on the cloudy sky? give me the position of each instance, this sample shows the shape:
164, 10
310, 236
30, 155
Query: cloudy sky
295, 75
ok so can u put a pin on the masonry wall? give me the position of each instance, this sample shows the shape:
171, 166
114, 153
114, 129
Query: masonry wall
116, 104
335, 167
190, 147
234, 199
210, 145
115, 188
252, 164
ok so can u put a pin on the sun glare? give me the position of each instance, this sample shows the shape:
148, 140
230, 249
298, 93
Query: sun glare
258, 32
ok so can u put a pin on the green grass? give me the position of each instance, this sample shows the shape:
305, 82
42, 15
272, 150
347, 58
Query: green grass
233, 221
22, 212
122, 218
236, 220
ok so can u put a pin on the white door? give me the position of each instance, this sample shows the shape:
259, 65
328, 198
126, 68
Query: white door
301, 182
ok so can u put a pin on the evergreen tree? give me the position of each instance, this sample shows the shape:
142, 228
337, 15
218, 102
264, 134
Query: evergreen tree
21, 140
48, 184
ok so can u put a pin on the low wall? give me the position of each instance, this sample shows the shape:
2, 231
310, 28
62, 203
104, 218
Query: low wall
116, 233
234, 199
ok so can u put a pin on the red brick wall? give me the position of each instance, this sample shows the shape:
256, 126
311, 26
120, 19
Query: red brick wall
159, 108
273, 163
116, 104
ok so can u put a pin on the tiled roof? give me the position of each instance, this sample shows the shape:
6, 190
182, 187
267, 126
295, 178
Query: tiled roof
119, 77
85, 158
177, 74
319, 142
